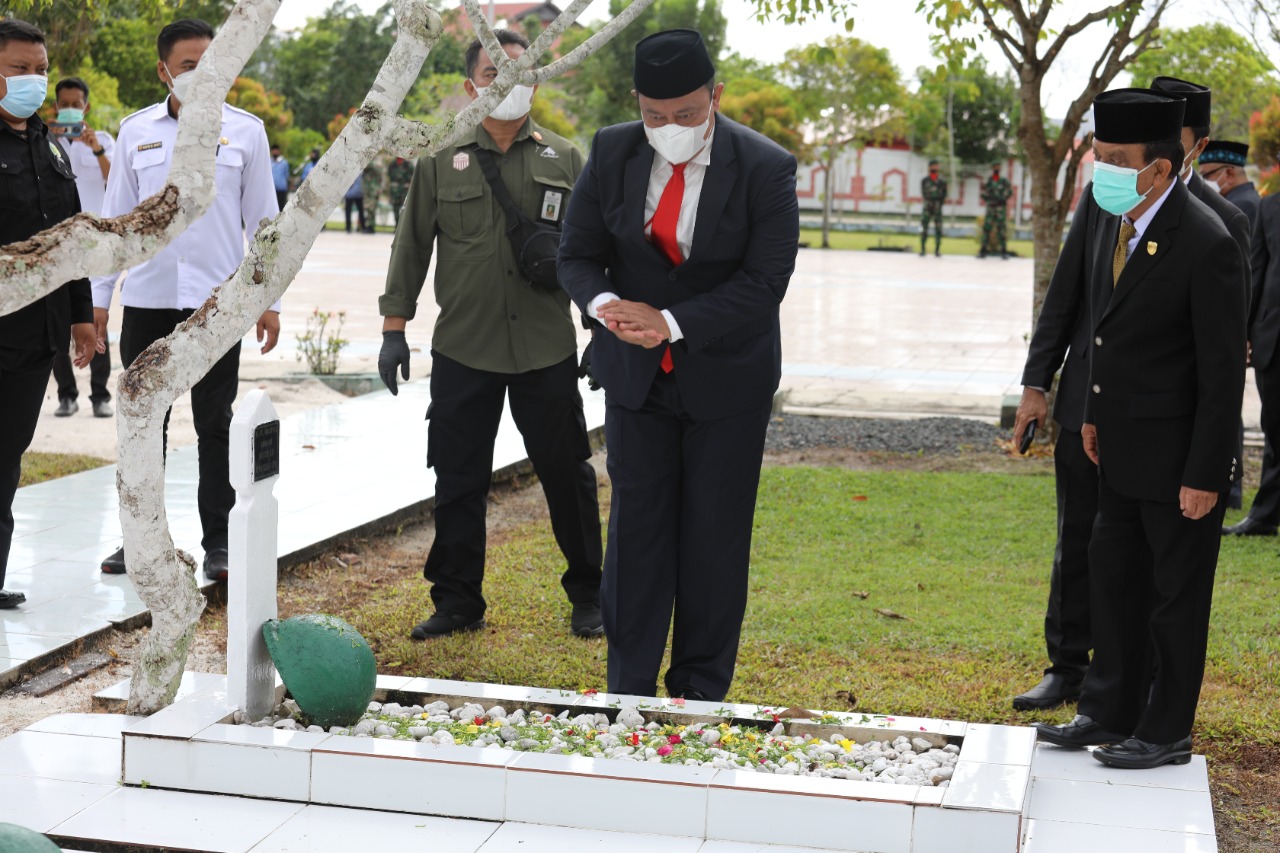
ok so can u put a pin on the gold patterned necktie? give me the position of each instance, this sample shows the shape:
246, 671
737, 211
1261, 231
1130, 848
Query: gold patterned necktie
1122, 250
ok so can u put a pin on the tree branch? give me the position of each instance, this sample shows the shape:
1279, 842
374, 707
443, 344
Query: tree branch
1076, 27
554, 30
484, 32
1002, 36
87, 245
575, 57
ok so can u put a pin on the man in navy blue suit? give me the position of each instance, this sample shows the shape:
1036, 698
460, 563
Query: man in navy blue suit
679, 241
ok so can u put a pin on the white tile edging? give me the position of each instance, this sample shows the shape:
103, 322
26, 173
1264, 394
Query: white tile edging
190, 746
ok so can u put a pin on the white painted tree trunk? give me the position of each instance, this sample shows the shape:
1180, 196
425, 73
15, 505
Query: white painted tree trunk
163, 576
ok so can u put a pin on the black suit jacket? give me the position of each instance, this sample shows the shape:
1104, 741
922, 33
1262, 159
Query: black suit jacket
1239, 222
1264, 308
1245, 197
1167, 366
724, 297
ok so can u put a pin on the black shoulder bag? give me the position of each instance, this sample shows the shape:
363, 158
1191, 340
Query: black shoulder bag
535, 245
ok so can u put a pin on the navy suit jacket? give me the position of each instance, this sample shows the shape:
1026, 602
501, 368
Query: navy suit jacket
725, 296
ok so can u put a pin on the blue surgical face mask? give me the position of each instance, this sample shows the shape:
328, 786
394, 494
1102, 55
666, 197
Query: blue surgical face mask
1115, 188
70, 115
26, 93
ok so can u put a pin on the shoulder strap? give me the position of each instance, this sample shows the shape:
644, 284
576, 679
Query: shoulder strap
490, 168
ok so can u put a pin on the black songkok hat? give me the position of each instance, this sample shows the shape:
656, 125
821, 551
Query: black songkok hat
1230, 153
672, 64
1199, 99
1125, 116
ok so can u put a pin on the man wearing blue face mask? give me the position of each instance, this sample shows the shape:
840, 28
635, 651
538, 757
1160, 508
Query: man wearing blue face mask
1166, 307
680, 242
38, 189
504, 332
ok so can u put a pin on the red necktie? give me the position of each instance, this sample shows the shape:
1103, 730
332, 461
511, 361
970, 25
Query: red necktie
665, 219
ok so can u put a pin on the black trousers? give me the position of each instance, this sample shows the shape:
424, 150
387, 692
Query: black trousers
1151, 575
357, 205
1266, 503
466, 409
1066, 621
24, 376
211, 400
282, 198
99, 370
684, 497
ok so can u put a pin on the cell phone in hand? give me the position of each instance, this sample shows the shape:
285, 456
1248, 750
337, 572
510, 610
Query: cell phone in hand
72, 129
1028, 436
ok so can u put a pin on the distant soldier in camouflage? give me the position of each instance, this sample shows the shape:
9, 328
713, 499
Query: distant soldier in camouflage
371, 184
995, 194
933, 189
399, 173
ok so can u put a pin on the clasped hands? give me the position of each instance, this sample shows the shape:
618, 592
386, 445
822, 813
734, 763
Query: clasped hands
635, 322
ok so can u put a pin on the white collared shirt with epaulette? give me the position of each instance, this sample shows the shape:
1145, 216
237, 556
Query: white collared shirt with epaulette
184, 273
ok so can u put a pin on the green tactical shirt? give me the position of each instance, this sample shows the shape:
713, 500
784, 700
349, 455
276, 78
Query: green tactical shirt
491, 318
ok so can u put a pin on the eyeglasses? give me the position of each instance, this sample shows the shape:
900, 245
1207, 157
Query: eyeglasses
1208, 176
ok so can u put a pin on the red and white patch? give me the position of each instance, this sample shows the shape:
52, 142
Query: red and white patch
461, 161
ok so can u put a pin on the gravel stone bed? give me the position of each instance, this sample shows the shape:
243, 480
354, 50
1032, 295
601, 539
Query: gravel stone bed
899, 760
928, 435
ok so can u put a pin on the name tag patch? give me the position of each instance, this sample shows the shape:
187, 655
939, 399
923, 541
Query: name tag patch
150, 146
549, 153
551, 202
461, 161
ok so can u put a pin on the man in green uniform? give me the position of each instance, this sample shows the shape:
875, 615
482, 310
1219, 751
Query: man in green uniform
399, 174
371, 184
498, 336
995, 195
933, 189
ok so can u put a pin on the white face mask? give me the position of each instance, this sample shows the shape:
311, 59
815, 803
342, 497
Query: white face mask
1214, 185
515, 105
180, 84
677, 143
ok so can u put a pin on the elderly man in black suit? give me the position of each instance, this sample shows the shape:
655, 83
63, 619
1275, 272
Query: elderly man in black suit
680, 240
1061, 339
1167, 315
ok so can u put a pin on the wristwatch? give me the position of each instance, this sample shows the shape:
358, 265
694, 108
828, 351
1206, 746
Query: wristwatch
99, 152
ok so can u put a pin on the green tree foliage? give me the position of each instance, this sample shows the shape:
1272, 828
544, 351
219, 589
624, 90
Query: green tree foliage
984, 113
768, 108
804, 11
601, 87
126, 48
1216, 56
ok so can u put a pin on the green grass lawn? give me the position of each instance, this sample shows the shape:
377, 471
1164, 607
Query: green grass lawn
964, 557
38, 467
862, 240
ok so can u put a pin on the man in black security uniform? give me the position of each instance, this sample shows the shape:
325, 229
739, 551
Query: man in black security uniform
1264, 328
38, 190
1167, 311
680, 242
499, 335
1064, 322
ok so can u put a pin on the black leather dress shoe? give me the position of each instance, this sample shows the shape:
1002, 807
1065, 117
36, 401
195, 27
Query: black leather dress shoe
586, 620
215, 564
114, 565
1079, 733
1249, 527
10, 600
1052, 691
689, 693
66, 408
102, 409
1135, 754
444, 624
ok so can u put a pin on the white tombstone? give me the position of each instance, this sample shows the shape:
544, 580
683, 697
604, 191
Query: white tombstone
251, 552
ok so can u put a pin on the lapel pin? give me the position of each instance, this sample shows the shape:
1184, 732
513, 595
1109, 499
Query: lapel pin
1151, 248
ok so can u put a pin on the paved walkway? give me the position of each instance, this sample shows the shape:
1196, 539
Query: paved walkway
61, 777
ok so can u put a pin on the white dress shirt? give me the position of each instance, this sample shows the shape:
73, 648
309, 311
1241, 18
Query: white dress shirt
1140, 226
90, 185
695, 172
184, 273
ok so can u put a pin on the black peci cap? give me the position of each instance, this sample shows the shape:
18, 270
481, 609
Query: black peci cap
671, 64
1124, 116
1229, 153
1199, 99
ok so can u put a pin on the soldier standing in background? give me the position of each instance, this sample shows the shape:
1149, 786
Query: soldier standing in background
371, 184
933, 189
399, 174
995, 195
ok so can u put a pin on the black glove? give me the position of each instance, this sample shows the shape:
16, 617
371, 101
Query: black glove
394, 353
584, 369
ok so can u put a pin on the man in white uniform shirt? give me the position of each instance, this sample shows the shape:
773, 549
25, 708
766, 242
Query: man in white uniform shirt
160, 293
89, 151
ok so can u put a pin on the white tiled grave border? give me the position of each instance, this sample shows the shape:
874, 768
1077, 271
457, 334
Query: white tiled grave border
193, 746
